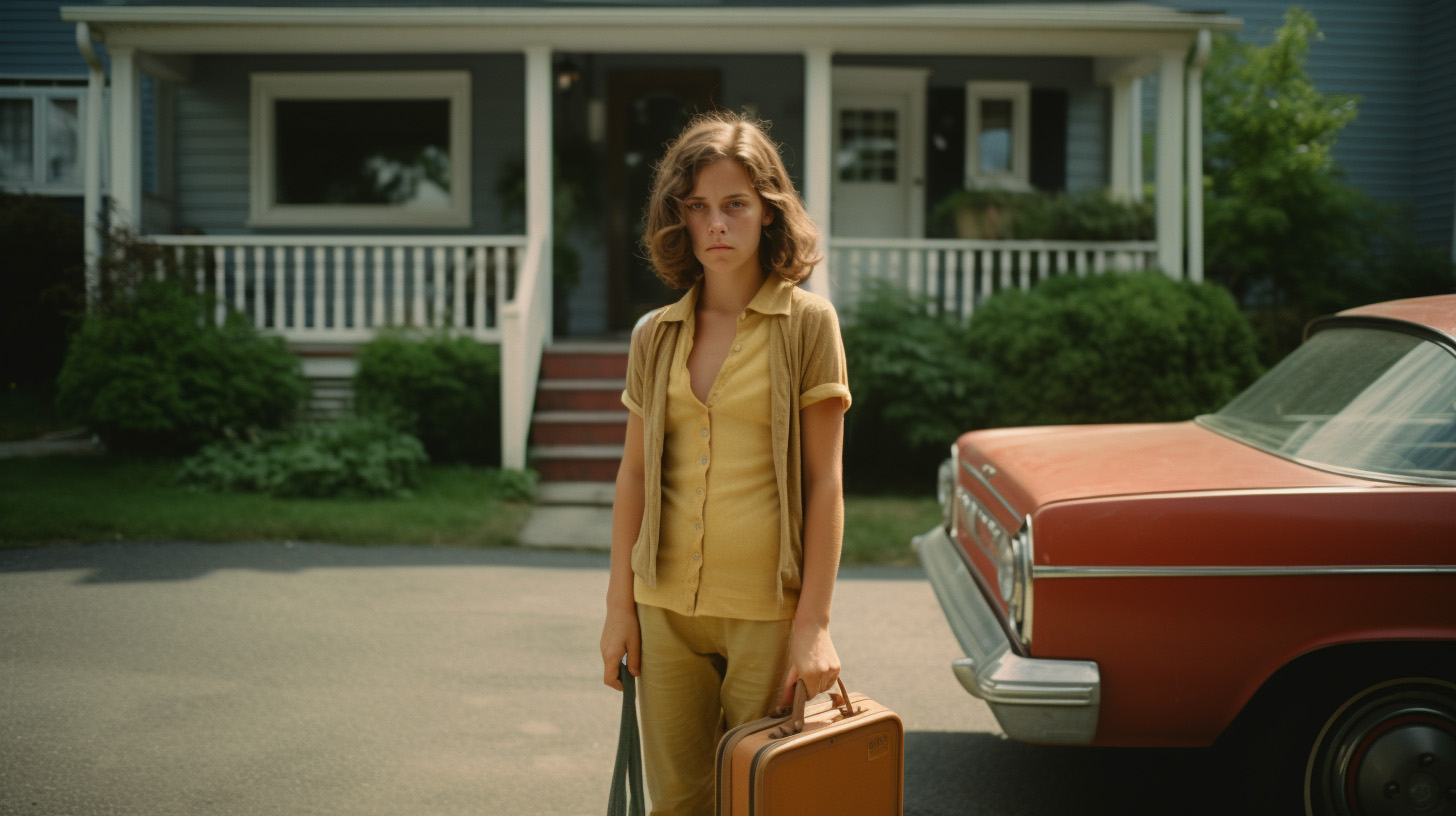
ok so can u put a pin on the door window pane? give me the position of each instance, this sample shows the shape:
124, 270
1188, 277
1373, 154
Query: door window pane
63, 141
868, 145
363, 152
17, 139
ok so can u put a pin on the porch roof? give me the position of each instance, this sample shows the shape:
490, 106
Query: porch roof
1127, 30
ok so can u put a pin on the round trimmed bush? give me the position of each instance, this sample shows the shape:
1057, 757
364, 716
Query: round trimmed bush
151, 373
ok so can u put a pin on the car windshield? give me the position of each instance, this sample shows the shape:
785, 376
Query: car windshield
1367, 400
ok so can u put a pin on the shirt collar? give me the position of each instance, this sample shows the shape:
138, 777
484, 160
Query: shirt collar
773, 297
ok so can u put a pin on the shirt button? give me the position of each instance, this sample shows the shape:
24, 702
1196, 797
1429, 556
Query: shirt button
703, 461
737, 347
700, 491
696, 557
704, 432
697, 525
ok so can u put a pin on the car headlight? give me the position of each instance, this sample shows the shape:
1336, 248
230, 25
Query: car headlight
1016, 591
945, 483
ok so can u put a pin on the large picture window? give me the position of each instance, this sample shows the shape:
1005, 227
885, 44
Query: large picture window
361, 149
40, 138
998, 134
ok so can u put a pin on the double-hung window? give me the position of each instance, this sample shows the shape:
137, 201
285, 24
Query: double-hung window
40, 136
361, 149
998, 134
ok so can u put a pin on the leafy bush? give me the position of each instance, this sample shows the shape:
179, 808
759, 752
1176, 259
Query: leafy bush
348, 456
1028, 216
42, 286
443, 390
1108, 348
149, 372
1111, 348
910, 378
1089, 216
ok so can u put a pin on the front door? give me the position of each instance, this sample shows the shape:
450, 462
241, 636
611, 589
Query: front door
647, 109
879, 164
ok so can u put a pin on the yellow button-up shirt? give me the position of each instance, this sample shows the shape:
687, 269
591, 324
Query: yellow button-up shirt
746, 527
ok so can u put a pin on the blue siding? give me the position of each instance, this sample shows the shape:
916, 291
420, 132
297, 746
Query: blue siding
34, 41
1399, 58
1087, 139
1435, 187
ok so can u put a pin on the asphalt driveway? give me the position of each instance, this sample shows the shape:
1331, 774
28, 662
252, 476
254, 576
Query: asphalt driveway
310, 679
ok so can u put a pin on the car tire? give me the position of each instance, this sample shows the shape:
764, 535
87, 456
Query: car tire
1387, 748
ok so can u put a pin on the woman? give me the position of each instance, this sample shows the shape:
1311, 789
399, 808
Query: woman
729, 508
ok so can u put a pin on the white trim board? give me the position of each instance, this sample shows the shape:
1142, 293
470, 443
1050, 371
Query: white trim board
269, 87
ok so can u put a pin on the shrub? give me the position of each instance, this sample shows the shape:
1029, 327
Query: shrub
149, 372
1109, 348
348, 456
910, 379
444, 390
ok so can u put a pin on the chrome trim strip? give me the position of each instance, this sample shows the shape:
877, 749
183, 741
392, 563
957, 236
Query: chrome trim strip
1040, 571
986, 484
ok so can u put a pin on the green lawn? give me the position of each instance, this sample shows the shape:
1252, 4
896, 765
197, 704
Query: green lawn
89, 499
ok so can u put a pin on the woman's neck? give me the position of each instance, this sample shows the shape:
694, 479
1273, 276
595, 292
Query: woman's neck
729, 293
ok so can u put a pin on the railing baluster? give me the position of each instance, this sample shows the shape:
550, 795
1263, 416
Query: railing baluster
336, 281
479, 320
396, 310
280, 287
457, 309
437, 313
219, 284
260, 286
297, 292
377, 295
500, 265
417, 287
356, 279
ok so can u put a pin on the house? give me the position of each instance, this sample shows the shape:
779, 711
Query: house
333, 167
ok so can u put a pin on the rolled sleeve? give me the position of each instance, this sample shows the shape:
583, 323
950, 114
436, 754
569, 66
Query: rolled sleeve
825, 373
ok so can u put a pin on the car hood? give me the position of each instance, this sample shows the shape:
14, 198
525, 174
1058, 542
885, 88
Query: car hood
1030, 467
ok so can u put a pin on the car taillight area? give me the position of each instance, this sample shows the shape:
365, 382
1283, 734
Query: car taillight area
995, 537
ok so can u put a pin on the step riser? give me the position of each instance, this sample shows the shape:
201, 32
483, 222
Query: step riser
593, 400
577, 470
578, 433
568, 366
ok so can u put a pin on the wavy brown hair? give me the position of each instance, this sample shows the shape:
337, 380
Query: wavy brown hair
788, 244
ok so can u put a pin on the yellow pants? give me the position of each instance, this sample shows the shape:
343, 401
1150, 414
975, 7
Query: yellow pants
700, 675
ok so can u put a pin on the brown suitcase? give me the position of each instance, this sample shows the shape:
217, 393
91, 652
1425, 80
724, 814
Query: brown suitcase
847, 759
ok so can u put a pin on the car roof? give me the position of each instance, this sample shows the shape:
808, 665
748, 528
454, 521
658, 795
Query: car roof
1437, 312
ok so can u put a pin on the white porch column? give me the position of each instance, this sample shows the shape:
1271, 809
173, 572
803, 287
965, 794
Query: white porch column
95, 114
1135, 138
126, 148
1169, 183
1119, 181
818, 150
538, 165
1195, 155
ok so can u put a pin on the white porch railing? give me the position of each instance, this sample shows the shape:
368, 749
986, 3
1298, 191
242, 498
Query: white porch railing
525, 325
956, 275
344, 288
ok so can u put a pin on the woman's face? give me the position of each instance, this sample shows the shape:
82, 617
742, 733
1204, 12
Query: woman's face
726, 217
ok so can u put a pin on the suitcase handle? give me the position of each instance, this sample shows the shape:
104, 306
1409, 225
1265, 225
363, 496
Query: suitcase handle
795, 723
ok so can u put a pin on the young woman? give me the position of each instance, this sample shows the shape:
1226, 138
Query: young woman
729, 508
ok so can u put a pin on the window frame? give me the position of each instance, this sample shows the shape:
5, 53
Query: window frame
39, 91
267, 88
1019, 95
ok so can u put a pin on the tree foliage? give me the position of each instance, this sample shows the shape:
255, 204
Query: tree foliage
1285, 233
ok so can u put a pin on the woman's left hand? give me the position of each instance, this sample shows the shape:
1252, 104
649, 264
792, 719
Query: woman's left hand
812, 659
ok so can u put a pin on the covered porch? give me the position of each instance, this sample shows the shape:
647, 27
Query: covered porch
463, 273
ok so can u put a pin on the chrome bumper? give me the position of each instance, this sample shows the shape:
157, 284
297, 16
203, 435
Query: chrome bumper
1034, 700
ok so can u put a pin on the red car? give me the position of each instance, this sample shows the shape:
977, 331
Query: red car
1283, 568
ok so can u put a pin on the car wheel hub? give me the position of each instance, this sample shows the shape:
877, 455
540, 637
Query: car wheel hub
1391, 753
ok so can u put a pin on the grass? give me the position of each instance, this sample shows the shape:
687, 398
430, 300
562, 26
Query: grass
91, 499
112, 498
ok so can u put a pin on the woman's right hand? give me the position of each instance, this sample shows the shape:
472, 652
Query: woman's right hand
621, 636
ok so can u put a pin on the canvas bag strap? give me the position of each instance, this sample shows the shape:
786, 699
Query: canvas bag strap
626, 795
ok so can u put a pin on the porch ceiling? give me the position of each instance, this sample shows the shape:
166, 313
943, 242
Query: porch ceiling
1053, 29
